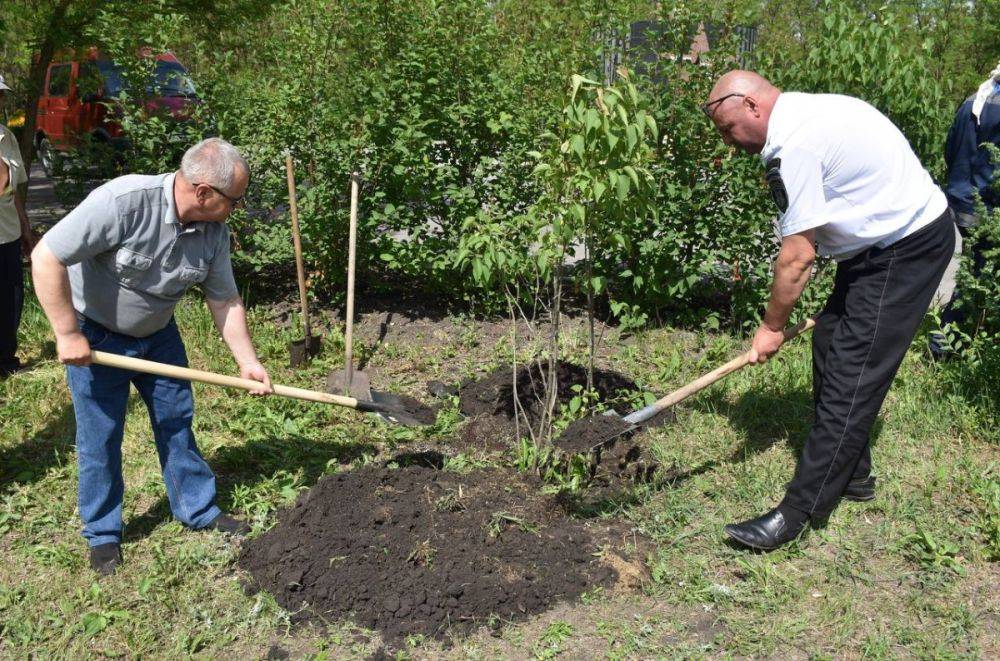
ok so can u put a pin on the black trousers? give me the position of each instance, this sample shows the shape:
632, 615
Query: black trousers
11, 302
879, 299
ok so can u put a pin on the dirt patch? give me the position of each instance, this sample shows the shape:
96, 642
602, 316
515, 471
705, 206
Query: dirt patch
416, 550
485, 432
494, 394
411, 406
585, 434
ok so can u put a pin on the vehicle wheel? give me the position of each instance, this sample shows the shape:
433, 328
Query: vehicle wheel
47, 156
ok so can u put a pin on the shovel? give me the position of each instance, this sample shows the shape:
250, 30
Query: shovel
300, 351
349, 381
636, 418
172, 371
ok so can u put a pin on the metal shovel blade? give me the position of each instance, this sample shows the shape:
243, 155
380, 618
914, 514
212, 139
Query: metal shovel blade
628, 428
396, 409
359, 387
302, 351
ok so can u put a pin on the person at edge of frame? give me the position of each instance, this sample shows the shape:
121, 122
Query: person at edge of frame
971, 170
17, 240
108, 276
848, 186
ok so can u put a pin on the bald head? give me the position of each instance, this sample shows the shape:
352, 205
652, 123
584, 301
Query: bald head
741, 82
740, 105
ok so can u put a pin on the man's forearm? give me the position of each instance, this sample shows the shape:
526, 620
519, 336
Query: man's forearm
791, 273
52, 288
231, 320
22, 214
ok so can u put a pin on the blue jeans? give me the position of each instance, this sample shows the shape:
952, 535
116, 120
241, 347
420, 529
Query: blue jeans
100, 395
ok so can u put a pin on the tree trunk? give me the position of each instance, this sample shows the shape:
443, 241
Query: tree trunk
552, 381
49, 42
590, 309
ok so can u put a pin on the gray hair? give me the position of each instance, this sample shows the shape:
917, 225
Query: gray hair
213, 161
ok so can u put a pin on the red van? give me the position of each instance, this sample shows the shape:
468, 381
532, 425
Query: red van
74, 101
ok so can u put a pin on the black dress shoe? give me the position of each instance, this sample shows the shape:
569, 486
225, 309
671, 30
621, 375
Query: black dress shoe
227, 524
766, 532
861, 489
105, 558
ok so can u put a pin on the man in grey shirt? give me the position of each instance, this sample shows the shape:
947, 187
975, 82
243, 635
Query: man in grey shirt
108, 276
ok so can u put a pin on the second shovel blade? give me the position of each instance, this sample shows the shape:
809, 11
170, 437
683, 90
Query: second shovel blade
359, 387
300, 352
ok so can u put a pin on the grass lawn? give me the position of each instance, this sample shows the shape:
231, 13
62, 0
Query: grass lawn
911, 574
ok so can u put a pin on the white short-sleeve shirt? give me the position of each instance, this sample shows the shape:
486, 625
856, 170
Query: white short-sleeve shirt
847, 172
10, 157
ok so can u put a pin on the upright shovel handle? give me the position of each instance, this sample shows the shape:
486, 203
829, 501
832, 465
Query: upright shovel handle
352, 242
188, 374
738, 363
300, 268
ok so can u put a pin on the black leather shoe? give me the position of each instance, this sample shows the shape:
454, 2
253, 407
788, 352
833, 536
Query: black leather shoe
766, 532
227, 524
105, 558
861, 489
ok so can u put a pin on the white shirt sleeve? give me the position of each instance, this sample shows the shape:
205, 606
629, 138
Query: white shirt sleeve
802, 174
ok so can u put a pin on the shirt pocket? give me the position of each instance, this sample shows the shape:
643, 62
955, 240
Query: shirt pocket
131, 266
192, 275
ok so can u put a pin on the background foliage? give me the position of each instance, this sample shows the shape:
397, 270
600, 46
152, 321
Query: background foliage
439, 106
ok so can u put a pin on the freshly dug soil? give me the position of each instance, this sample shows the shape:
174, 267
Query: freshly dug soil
416, 550
583, 434
493, 395
426, 415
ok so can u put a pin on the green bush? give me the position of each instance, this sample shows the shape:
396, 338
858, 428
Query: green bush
866, 54
439, 106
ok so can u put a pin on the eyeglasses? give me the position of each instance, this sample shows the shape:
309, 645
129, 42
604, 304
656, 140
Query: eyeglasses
710, 107
236, 202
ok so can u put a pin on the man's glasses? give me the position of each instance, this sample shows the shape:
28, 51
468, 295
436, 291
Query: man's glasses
236, 202
710, 107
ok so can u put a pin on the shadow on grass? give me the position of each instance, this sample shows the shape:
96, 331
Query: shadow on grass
30, 461
764, 418
254, 462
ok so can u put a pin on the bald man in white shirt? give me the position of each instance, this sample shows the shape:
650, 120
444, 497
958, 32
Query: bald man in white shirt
848, 186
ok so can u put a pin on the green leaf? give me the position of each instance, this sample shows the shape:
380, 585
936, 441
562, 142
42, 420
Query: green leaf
576, 144
622, 188
599, 189
651, 123
93, 624
630, 171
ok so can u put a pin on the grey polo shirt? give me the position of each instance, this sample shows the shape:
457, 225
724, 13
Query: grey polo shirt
130, 259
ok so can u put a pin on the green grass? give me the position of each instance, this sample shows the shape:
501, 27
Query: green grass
911, 574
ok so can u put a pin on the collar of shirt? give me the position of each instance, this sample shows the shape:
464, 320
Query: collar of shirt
772, 143
170, 218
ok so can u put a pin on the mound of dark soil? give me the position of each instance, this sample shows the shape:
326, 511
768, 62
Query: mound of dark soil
586, 433
421, 551
494, 394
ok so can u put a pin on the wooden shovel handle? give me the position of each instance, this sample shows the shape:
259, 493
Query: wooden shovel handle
300, 268
188, 374
738, 363
352, 241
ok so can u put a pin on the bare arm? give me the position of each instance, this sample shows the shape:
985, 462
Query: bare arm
28, 238
231, 320
53, 291
791, 273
